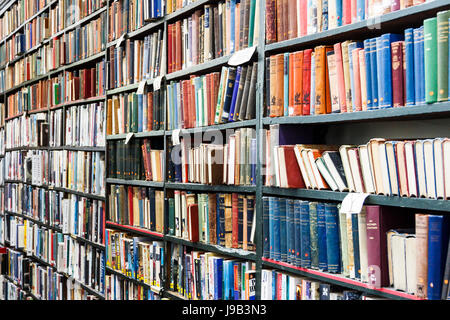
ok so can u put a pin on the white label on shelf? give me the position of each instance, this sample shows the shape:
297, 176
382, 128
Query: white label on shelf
119, 41
176, 137
358, 201
346, 205
141, 87
128, 137
241, 56
157, 83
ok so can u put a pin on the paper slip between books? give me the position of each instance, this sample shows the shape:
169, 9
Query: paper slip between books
119, 41
241, 56
141, 87
157, 83
128, 137
353, 202
176, 136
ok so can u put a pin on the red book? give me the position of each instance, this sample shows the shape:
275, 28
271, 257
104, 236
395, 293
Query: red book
193, 222
306, 80
354, 11
279, 16
379, 220
297, 81
208, 97
292, 15
303, 17
169, 48
293, 174
271, 15
340, 76
397, 73
356, 79
192, 114
346, 12
184, 120
93, 85
150, 111
130, 205
234, 219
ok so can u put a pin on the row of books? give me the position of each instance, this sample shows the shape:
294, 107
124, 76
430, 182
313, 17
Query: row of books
25, 69
174, 5
78, 84
226, 219
18, 13
83, 217
30, 131
120, 288
72, 11
136, 257
211, 32
76, 260
28, 200
292, 19
276, 285
373, 246
80, 171
78, 126
30, 167
137, 206
129, 15
133, 112
233, 163
11, 291
392, 70
411, 168
31, 98
206, 100
135, 160
136, 60
200, 275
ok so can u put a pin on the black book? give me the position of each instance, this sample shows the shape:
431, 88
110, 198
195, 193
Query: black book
251, 104
228, 93
243, 107
333, 162
267, 102
240, 93
220, 48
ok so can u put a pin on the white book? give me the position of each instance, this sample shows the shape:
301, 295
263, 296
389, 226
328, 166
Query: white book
354, 166
366, 170
231, 159
326, 174
410, 168
346, 165
429, 168
362, 236
302, 166
420, 169
439, 168
446, 161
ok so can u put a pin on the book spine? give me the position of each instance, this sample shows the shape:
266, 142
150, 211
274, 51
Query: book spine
305, 235
397, 73
332, 235
322, 237
409, 61
442, 55
430, 59
421, 255
314, 245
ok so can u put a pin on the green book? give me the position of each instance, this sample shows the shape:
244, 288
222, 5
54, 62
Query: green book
134, 119
171, 202
251, 23
442, 55
430, 48
313, 235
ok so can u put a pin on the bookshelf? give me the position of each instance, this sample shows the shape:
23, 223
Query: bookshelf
409, 17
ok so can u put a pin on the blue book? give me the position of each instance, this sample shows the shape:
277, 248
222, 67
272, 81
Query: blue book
227, 278
333, 244
235, 92
272, 201
374, 72
355, 236
324, 18
274, 285
266, 234
286, 84
151, 195
417, 65
228, 92
339, 12
232, 25
297, 234
386, 68
305, 235
322, 237
313, 235
438, 234
360, 10
409, 61
290, 231
276, 231
236, 273
283, 228
218, 278
352, 46
367, 50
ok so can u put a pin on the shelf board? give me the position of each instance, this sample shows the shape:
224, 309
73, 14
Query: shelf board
339, 280
437, 110
372, 199
147, 134
144, 30
236, 253
141, 183
362, 29
186, 9
78, 148
155, 289
74, 64
173, 295
223, 126
82, 194
78, 102
210, 188
34, 220
25, 84
203, 67
135, 230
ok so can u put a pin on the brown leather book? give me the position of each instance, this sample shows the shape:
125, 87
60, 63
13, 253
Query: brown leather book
271, 21
212, 218
193, 222
292, 16
228, 221
279, 17
422, 255
401, 167
235, 213
109, 117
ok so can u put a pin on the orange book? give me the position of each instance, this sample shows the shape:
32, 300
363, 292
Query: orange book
291, 82
276, 85
322, 98
297, 82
